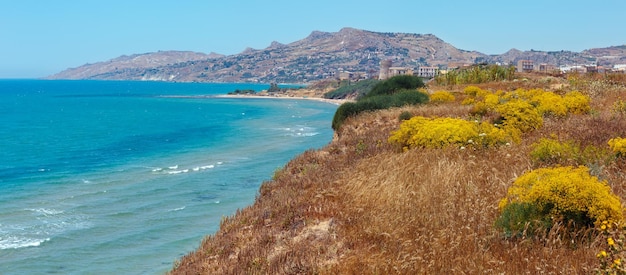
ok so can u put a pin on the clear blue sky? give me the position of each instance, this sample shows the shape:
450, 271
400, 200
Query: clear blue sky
42, 37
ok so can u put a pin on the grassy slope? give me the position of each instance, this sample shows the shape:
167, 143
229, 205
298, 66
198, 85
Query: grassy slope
359, 206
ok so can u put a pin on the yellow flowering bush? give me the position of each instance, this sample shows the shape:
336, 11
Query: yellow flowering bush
520, 114
567, 194
422, 132
441, 96
618, 145
544, 102
474, 91
577, 103
553, 151
619, 107
549, 103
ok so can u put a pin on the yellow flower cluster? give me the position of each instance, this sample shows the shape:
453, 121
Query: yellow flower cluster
441, 96
551, 150
568, 193
618, 145
619, 107
577, 103
422, 132
526, 107
612, 256
520, 114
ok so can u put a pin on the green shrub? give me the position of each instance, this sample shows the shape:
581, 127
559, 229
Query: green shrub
344, 111
359, 89
476, 74
563, 194
372, 103
405, 115
408, 97
395, 84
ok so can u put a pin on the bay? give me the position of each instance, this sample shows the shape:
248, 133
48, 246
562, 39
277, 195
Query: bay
122, 177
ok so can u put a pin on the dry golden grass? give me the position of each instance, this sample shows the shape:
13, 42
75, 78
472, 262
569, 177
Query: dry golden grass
361, 206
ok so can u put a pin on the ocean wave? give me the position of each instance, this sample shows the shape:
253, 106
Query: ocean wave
174, 169
45, 211
14, 242
299, 131
34, 226
177, 209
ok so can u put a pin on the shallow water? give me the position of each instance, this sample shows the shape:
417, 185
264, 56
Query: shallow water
121, 177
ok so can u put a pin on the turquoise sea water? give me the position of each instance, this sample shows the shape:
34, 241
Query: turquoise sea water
108, 177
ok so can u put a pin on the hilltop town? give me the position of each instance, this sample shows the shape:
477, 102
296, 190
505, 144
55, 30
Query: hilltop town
346, 54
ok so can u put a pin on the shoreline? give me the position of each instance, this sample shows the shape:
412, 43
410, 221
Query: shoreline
325, 100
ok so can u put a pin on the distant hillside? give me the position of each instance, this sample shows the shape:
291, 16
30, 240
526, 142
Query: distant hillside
321, 55
116, 66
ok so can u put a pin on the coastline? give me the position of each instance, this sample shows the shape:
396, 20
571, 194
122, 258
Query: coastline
326, 100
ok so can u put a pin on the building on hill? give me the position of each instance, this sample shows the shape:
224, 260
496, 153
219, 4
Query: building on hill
353, 76
525, 66
386, 71
547, 68
458, 65
427, 72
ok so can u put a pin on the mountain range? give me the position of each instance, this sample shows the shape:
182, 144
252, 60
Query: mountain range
319, 56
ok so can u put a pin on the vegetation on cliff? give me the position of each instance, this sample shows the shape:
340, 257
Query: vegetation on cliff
397, 91
365, 205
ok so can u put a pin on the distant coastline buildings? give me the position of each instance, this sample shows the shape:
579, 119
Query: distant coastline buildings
527, 66
388, 71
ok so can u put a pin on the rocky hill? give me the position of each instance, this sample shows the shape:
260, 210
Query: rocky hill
321, 55
119, 65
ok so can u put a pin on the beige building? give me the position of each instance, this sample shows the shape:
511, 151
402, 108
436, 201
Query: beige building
427, 72
525, 66
386, 71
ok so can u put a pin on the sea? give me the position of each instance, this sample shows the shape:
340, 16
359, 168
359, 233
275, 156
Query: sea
126, 177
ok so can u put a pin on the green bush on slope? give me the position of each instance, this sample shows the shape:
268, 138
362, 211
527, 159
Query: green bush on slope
394, 92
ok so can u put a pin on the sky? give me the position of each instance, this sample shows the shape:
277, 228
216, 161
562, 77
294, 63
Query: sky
42, 37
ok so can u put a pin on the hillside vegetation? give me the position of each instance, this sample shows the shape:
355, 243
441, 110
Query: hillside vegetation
518, 176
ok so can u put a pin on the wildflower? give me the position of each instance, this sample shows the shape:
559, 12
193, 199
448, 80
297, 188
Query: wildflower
482, 134
462, 148
602, 254
617, 261
603, 227
470, 141
610, 241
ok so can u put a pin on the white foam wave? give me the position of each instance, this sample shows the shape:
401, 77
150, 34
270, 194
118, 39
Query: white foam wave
173, 170
300, 131
176, 209
45, 211
13, 242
